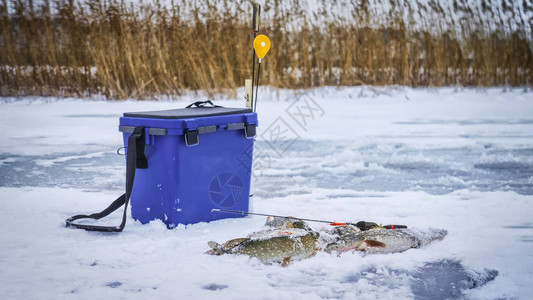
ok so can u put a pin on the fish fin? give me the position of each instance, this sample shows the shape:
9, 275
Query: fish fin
374, 243
353, 246
286, 261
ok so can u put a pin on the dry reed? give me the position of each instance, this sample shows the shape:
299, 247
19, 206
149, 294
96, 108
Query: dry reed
120, 50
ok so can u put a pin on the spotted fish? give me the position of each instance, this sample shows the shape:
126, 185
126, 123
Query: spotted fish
280, 245
380, 240
289, 239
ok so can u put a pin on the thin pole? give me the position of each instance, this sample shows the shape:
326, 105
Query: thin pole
267, 215
253, 73
257, 85
255, 29
363, 225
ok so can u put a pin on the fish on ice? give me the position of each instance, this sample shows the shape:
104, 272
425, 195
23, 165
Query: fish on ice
379, 240
291, 239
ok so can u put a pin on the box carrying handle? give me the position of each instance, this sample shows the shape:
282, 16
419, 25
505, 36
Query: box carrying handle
202, 104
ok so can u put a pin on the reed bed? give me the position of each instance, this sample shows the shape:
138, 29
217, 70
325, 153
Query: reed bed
142, 50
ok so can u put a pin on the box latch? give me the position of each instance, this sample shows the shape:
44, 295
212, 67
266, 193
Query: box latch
249, 130
191, 137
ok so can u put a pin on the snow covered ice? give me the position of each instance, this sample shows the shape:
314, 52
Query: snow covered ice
458, 159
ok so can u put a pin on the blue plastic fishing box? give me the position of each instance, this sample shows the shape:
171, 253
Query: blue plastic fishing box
199, 159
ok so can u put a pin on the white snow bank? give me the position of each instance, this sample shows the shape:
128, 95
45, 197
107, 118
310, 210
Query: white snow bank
444, 158
42, 259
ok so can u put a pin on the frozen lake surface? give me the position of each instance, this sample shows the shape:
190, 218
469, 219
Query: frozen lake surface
461, 160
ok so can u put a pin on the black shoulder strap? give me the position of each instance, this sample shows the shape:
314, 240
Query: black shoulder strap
135, 159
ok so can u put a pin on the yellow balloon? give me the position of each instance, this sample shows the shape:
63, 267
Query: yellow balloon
261, 45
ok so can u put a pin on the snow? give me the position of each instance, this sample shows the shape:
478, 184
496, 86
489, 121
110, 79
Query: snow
458, 159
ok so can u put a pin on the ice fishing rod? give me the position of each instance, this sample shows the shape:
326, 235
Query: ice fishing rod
255, 29
261, 46
363, 225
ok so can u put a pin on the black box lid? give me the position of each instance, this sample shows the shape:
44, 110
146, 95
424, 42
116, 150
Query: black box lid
184, 113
